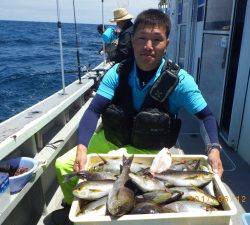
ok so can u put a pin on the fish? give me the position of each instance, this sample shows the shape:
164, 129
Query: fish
209, 188
188, 206
121, 199
147, 183
161, 162
159, 197
137, 167
146, 208
184, 178
108, 165
184, 165
97, 207
196, 194
92, 190
114, 165
91, 176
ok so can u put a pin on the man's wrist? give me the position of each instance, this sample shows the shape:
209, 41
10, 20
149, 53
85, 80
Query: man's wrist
82, 148
212, 147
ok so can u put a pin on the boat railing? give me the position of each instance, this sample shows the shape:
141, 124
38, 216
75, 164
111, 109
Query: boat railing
43, 132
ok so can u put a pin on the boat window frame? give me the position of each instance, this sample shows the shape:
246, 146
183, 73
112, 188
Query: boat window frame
218, 32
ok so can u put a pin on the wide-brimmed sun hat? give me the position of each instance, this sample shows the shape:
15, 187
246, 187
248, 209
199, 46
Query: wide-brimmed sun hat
121, 14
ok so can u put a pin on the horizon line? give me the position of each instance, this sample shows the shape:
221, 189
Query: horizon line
10, 20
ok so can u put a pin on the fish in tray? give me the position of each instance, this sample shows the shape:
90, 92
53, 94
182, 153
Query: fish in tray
120, 198
159, 197
92, 190
91, 176
147, 183
96, 208
189, 206
150, 208
184, 178
185, 165
147, 208
114, 165
196, 194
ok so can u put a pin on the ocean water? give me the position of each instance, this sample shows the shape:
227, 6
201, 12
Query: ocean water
30, 61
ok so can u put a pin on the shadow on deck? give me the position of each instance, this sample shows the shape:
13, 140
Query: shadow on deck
236, 177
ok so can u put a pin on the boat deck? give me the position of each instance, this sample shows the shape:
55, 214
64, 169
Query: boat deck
190, 141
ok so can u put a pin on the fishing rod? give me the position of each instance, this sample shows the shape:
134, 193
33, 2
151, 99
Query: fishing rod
77, 46
59, 25
103, 44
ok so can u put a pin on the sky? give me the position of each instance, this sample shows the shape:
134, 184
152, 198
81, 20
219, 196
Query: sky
87, 11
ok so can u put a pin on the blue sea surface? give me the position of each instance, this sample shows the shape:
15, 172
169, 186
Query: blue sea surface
30, 67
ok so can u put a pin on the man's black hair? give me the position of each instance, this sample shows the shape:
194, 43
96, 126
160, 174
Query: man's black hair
153, 17
100, 29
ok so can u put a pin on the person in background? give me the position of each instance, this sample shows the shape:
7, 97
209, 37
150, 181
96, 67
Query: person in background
124, 48
100, 29
110, 39
135, 95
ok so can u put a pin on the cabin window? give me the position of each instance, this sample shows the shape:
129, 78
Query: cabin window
179, 11
200, 10
183, 6
218, 14
213, 71
182, 45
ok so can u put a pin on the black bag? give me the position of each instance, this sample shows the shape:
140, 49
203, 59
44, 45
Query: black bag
117, 125
154, 129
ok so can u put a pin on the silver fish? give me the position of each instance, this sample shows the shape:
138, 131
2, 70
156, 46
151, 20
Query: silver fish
159, 197
184, 165
147, 183
188, 206
184, 178
137, 167
96, 208
114, 165
121, 199
147, 208
91, 176
196, 194
92, 190
108, 165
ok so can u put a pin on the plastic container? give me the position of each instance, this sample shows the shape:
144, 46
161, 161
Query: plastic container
222, 217
246, 218
18, 182
4, 190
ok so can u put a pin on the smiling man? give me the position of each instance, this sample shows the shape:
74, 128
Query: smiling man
139, 100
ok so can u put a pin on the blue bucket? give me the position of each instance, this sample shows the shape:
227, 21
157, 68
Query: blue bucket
18, 182
109, 35
246, 218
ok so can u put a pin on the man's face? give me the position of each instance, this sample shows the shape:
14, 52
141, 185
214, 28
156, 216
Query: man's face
120, 24
149, 45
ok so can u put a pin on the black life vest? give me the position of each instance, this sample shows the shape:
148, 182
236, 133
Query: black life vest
153, 127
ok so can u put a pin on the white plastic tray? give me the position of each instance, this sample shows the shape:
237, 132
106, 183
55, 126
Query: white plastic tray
206, 218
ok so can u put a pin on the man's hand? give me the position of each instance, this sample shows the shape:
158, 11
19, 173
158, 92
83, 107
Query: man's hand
81, 158
215, 161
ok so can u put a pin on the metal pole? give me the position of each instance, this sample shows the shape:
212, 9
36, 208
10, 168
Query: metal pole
103, 44
59, 25
77, 46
